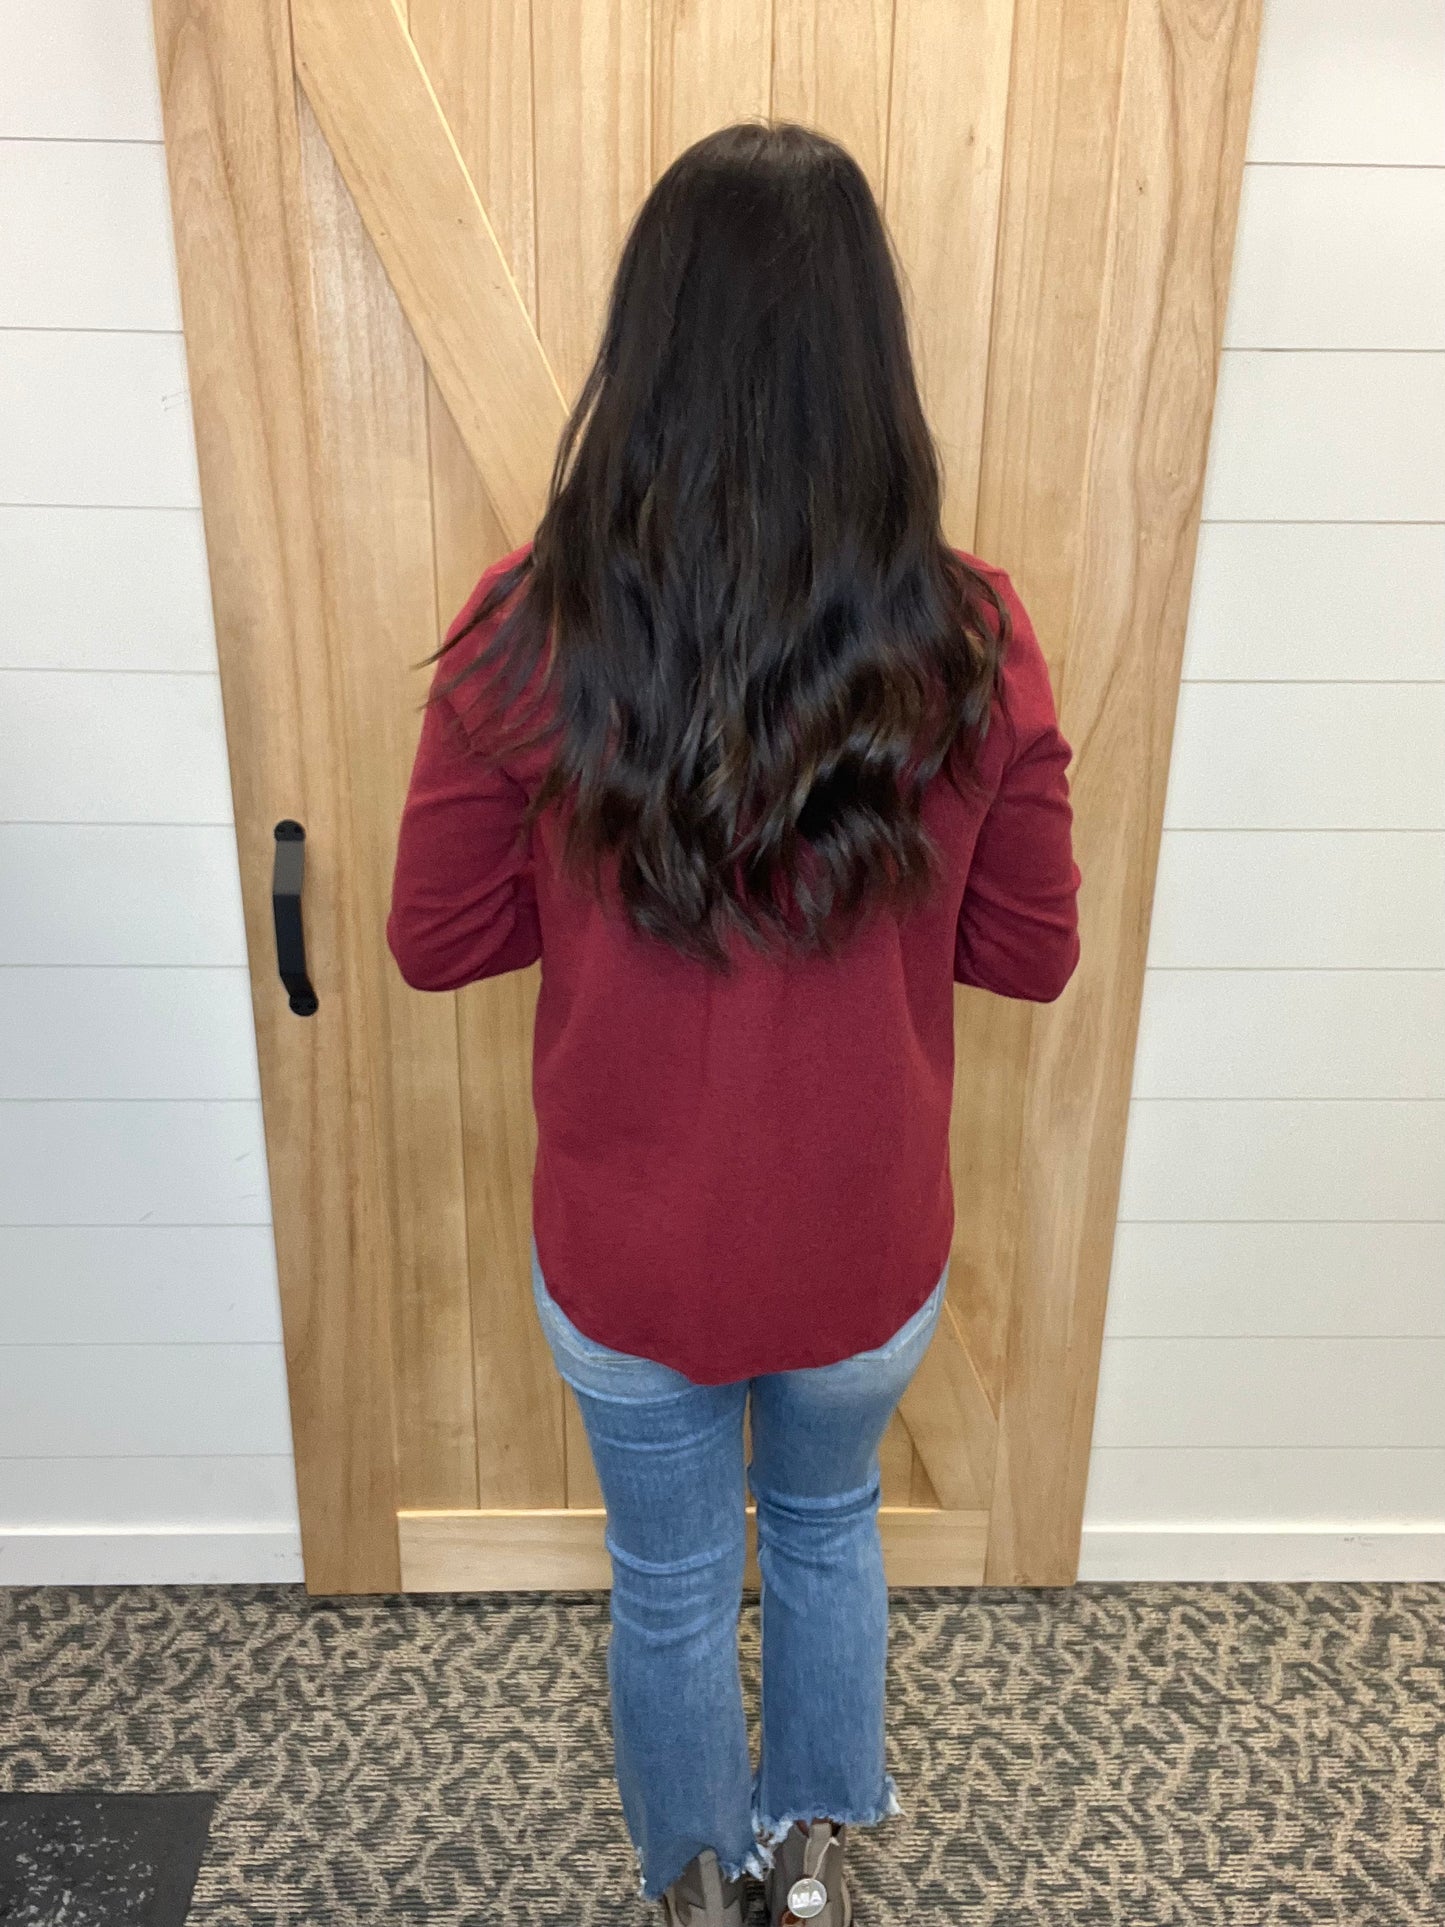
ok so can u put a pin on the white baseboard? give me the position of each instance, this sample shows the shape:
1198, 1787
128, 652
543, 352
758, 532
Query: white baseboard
174, 1556
255, 1555
1186, 1552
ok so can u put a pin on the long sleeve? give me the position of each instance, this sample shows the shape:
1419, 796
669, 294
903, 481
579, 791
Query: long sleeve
1018, 928
463, 902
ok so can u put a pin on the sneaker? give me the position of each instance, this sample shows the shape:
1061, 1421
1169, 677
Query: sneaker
806, 1880
700, 1897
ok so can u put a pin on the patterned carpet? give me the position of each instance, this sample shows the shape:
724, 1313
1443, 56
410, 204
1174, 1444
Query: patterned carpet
1206, 1756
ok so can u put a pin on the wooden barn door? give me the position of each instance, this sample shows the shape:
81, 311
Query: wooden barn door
396, 225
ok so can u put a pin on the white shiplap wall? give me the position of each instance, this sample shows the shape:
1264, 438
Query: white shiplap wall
1271, 1398
143, 1423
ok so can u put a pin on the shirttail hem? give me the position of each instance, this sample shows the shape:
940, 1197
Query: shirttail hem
772, 1832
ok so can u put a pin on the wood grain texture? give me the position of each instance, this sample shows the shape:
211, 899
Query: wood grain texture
374, 489
563, 1550
592, 147
1056, 232
1054, 237
832, 69
593, 98
950, 1420
440, 250
711, 64
583, 1488
521, 1416
1182, 116
895, 1462
478, 62
921, 1491
232, 147
949, 98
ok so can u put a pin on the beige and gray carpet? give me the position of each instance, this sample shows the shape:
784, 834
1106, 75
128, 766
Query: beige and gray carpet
1203, 1756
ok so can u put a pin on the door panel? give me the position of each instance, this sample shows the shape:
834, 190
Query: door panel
1124, 498
389, 294
950, 92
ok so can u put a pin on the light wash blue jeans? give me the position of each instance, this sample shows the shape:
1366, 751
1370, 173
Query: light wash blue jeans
669, 1458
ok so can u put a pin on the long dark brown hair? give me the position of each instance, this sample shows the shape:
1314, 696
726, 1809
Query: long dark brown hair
738, 621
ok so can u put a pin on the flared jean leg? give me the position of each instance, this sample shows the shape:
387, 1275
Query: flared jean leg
672, 1476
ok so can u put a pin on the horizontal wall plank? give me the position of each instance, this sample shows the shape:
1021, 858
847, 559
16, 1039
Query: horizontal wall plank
215, 1494
1291, 1033
95, 418
1317, 602
85, 236
96, 1401
104, 588
1288, 1557
1350, 1393
1306, 899
136, 1164
1262, 1486
111, 747
120, 893
1271, 1160
127, 1034
138, 1285
79, 70
1270, 1280
178, 1557
1338, 81
1339, 257
1284, 756
1342, 437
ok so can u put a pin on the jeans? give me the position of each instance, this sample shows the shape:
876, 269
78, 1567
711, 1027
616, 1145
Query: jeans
669, 1458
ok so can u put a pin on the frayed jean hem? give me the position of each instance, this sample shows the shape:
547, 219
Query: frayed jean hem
756, 1862
771, 1832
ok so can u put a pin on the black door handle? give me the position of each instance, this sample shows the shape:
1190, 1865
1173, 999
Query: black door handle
286, 879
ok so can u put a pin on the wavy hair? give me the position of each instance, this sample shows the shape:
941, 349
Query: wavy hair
739, 626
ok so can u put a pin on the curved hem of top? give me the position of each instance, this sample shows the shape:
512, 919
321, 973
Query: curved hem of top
708, 1378
706, 1375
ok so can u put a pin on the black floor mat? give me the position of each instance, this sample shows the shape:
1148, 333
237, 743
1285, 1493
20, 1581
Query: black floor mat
100, 1859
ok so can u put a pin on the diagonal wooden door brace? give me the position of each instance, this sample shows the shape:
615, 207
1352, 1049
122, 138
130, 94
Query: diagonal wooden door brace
428, 225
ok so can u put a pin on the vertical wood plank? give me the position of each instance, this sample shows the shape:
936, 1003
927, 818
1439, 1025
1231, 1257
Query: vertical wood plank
832, 67
583, 1489
594, 164
948, 106
711, 64
232, 149
895, 1463
950, 1420
1183, 112
370, 392
592, 100
478, 60
949, 103
1054, 238
426, 219
1056, 234
921, 1491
